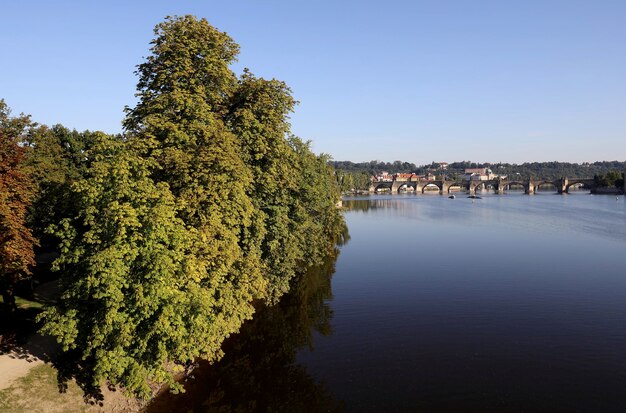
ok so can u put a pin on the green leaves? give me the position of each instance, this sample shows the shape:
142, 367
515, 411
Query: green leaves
612, 178
204, 206
122, 269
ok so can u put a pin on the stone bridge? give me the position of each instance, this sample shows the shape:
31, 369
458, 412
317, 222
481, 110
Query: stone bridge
499, 186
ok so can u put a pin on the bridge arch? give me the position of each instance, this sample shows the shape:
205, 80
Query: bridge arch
407, 186
509, 184
545, 185
431, 186
457, 187
483, 185
382, 185
583, 183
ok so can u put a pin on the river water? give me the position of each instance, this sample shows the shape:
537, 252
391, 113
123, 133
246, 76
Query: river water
509, 303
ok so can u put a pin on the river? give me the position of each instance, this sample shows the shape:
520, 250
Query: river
509, 303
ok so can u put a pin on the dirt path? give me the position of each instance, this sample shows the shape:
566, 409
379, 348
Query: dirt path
13, 366
32, 387
28, 379
17, 359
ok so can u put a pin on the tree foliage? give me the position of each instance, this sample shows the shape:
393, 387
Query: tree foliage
127, 266
205, 205
610, 179
53, 159
260, 371
16, 192
54, 166
351, 181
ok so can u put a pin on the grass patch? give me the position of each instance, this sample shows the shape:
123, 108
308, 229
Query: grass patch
24, 303
39, 392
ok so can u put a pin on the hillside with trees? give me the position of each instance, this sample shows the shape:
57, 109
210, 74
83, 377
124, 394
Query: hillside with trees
548, 170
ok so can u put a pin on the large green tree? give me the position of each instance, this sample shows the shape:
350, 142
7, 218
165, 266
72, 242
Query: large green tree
293, 190
205, 205
158, 267
128, 272
258, 116
184, 88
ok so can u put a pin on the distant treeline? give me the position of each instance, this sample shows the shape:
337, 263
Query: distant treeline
374, 167
549, 170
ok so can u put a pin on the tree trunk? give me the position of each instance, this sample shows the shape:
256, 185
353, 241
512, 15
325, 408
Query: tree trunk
9, 299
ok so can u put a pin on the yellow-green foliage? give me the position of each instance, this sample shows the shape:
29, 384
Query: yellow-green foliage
206, 204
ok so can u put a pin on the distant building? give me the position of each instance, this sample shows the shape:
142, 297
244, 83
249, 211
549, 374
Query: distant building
479, 174
480, 171
405, 177
442, 165
400, 177
383, 177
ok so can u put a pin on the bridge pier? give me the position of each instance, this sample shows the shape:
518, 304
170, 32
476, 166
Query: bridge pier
500, 187
445, 188
472, 185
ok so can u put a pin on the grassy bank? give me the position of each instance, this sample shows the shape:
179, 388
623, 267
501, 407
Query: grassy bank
39, 391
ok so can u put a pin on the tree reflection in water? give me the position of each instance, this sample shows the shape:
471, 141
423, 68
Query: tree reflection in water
370, 203
259, 372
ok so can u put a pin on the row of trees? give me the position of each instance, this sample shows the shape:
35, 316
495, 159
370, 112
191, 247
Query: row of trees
37, 167
375, 167
169, 233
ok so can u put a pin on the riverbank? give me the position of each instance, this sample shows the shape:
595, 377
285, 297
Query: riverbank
607, 191
31, 382
37, 390
33, 378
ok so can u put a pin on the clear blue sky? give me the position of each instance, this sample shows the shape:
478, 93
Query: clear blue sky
418, 81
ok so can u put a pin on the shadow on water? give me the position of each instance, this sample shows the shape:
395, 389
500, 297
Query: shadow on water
259, 372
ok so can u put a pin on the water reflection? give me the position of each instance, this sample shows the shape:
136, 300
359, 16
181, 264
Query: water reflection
511, 303
259, 372
372, 203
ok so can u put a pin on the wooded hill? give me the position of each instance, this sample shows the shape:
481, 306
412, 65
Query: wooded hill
549, 170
